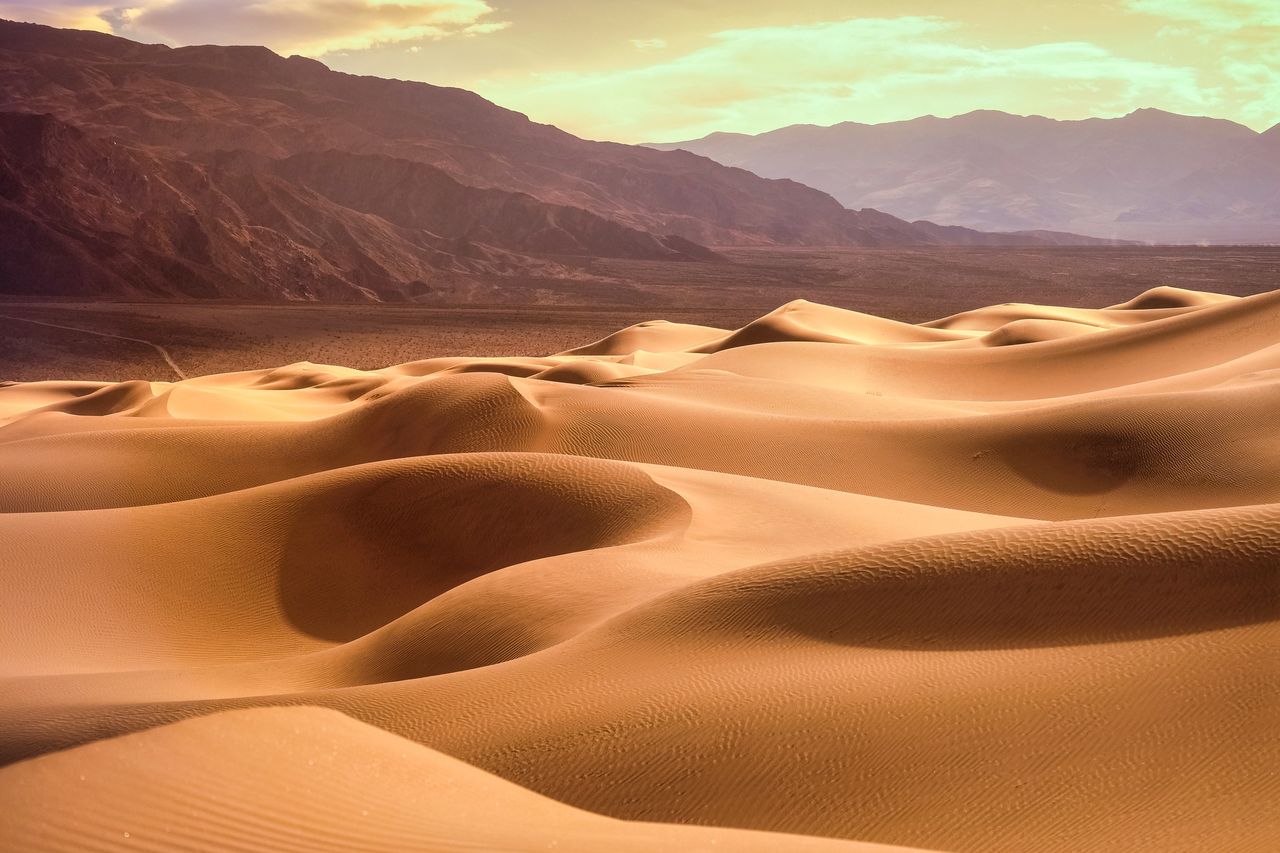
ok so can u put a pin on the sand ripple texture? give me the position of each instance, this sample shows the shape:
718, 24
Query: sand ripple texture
1006, 581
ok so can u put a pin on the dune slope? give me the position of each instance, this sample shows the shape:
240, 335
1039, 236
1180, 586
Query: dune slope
1008, 580
315, 780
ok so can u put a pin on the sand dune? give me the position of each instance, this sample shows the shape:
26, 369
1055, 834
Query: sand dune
312, 779
1009, 580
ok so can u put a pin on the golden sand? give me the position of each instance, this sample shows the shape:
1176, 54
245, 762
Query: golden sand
1006, 581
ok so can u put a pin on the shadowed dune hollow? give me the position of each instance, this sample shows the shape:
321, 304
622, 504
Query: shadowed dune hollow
1005, 581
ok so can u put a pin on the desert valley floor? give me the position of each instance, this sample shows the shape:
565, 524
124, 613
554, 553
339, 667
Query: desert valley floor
101, 339
1004, 581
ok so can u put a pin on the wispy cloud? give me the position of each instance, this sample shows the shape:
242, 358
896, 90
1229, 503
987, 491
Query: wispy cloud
287, 26
870, 68
1220, 15
585, 66
75, 14
1243, 36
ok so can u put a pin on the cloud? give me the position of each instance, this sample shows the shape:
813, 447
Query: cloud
58, 13
1261, 81
868, 69
484, 28
1220, 15
1243, 36
1212, 56
287, 26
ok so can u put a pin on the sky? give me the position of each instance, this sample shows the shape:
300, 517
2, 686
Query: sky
668, 70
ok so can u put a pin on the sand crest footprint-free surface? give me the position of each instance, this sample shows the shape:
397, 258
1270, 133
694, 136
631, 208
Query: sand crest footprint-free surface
1007, 581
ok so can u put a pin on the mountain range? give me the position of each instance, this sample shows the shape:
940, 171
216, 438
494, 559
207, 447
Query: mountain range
1150, 175
133, 170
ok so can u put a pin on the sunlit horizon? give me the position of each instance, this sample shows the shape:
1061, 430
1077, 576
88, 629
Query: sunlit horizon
661, 70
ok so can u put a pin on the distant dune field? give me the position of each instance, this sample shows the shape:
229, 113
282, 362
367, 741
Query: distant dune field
102, 340
1004, 581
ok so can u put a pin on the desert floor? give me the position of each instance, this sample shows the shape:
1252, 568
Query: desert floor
1008, 580
73, 340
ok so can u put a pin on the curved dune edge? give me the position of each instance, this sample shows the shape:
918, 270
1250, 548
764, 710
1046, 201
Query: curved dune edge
1009, 580
314, 780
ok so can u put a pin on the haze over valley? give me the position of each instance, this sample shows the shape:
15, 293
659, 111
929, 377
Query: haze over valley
1149, 176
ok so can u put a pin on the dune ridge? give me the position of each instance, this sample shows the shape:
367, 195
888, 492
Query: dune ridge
1007, 580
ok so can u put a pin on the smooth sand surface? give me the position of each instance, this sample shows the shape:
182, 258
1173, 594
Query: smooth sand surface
1006, 581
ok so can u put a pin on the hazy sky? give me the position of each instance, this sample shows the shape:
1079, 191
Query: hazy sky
657, 70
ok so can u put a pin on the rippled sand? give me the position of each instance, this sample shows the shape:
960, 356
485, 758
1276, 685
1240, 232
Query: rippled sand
1005, 581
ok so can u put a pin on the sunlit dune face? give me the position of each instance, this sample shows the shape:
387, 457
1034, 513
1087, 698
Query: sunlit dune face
661, 69
827, 573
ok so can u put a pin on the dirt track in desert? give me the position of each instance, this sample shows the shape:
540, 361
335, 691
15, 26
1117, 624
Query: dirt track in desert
1004, 581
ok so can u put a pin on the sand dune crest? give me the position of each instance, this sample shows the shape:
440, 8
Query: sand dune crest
1003, 581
